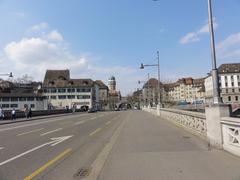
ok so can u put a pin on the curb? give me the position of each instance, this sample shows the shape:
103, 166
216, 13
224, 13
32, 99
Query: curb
37, 118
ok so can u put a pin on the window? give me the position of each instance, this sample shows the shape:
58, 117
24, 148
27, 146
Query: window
229, 98
61, 90
5, 99
233, 90
83, 97
71, 97
45, 90
41, 98
232, 84
238, 83
53, 97
22, 99
14, 99
30, 99
61, 97
226, 90
231, 78
5, 105
32, 105
14, 105
53, 90
225, 78
71, 90
226, 84
236, 98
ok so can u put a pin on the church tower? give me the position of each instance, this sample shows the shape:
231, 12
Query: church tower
112, 83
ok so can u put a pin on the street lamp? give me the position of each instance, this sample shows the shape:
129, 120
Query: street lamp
9, 75
216, 92
142, 66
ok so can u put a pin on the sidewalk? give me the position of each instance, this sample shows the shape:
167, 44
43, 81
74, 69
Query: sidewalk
152, 149
33, 118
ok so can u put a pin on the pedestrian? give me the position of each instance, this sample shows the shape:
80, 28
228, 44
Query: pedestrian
13, 114
25, 110
1, 113
30, 112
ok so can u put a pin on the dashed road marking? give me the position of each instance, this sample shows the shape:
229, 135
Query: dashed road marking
1, 148
93, 118
49, 132
95, 132
28, 132
80, 122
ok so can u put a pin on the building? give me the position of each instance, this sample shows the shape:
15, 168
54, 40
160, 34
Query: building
103, 95
229, 83
187, 90
64, 92
114, 95
150, 93
17, 95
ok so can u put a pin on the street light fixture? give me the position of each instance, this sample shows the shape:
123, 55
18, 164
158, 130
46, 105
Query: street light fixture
142, 66
9, 75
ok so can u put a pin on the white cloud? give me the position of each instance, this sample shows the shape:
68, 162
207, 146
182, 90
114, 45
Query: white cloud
229, 47
54, 36
196, 35
38, 27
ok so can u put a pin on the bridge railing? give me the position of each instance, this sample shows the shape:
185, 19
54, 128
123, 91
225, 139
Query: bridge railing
231, 134
193, 121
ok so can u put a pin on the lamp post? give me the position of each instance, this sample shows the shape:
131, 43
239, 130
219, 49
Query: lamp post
9, 75
216, 92
158, 66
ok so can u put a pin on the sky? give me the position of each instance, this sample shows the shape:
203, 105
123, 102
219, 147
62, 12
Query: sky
97, 39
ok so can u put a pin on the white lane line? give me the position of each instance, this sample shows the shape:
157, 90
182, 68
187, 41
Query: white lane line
36, 130
1, 148
49, 132
37, 123
53, 142
81, 122
94, 118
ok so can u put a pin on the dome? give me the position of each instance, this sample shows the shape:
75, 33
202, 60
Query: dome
112, 78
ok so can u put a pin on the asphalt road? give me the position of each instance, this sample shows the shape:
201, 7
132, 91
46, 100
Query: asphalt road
55, 148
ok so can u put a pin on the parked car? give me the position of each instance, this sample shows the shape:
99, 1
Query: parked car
92, 110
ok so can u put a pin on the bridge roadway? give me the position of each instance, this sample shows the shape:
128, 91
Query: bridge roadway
121, 145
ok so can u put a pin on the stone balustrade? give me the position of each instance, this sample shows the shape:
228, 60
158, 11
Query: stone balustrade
231, 134
193, 121
216, 126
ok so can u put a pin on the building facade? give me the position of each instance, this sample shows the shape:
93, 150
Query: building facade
103, 95
186, 90
64, 92
114, 95
229, 83
17, 95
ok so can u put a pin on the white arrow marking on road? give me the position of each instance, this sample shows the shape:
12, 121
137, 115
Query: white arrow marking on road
59, 129
54, 142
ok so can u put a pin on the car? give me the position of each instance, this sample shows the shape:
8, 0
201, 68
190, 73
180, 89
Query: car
92, 110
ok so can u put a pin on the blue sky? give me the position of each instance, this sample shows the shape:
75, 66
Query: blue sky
97, 39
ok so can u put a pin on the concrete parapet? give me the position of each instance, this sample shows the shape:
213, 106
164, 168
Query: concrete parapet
213, 120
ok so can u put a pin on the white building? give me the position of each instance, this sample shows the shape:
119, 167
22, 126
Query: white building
229, 82
64, 92
15, 95
186, 90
